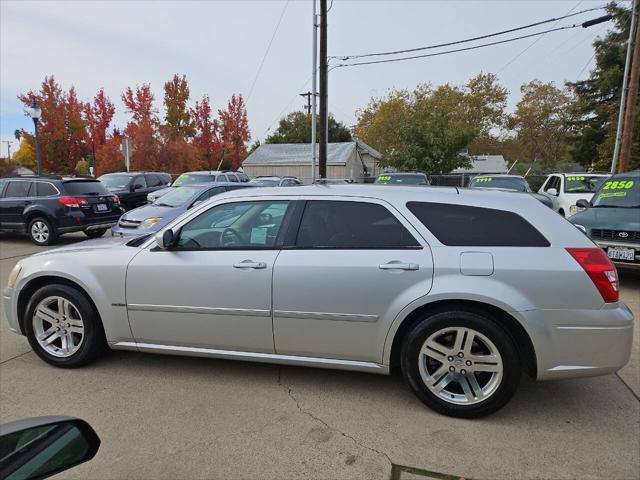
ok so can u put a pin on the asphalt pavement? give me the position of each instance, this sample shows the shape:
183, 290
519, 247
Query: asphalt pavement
173, 417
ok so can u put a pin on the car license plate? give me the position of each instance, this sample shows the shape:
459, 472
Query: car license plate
621, 253
101, 207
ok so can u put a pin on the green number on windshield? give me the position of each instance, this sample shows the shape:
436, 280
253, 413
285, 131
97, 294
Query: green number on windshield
618, 185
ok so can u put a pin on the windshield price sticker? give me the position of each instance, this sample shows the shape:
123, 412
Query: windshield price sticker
619, 185
484, 180
384, 178
576, 179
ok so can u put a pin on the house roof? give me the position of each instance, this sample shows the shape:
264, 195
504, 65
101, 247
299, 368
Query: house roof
485, 164
300, 153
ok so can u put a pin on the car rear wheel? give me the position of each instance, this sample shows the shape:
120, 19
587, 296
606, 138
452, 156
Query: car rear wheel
63, 327
461, 363
95, 233
41, 231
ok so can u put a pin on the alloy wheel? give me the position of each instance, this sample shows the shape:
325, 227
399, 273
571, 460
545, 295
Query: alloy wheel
460, 365
58, 326
40, 231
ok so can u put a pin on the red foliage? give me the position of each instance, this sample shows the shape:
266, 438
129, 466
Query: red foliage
98, 117
234, 132
143, 128
207, 137
108, 156
63, 139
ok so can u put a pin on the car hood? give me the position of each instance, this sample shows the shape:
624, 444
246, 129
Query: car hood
574, 197
93, 245
140, 214
609, 218
161, 192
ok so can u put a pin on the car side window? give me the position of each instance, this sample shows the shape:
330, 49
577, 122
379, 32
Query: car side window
19, 189
351, 225
236, 226
554, 182
219, 178
210, 193
44, 189
3, 182
140, 180
153, 180
468, 226
232, 178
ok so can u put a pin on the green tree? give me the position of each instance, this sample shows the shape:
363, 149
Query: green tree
598, 99
424, 129
541, 123
179, 123
25, 155
296, 128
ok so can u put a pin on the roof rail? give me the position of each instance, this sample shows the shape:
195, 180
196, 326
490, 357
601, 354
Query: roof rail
52, 177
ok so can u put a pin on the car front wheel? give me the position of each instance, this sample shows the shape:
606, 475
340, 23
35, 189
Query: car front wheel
63, 327
41, 231
461, 363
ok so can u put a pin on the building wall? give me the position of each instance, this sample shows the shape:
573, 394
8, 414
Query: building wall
302, 171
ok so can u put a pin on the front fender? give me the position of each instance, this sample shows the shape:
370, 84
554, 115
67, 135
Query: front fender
102, 278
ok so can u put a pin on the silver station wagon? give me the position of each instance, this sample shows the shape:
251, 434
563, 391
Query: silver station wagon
463, 290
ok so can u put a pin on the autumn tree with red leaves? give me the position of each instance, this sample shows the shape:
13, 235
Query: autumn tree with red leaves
207, 137
98, 116
143, 127
234, 132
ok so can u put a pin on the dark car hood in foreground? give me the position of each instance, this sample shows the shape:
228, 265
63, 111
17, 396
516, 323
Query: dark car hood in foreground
608, 218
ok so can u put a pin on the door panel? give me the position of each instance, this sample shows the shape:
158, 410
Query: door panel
340, 303
199, 299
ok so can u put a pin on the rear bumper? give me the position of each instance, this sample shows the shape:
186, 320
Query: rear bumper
581, 343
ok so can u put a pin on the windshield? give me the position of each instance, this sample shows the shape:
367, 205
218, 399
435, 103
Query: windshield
623, 192
416, 179
511, 183
84, 187
115, 181
582, 183
265, 182
177, 196
189, 178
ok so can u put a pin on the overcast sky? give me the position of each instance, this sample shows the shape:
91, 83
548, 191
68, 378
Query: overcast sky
219, 46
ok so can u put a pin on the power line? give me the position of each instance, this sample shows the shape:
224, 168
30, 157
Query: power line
466, 40
255, 79
484, 45
536, 40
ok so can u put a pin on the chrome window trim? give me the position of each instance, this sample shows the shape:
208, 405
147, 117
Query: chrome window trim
338, 317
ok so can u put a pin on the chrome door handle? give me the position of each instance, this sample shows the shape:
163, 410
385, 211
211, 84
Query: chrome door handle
250, 264
399, 266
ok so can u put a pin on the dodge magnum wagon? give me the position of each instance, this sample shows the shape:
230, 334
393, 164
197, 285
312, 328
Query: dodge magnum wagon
463, 290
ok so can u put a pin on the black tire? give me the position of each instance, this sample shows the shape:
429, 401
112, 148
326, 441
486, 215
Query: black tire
94, 342
38, 224
96, 233
485, 325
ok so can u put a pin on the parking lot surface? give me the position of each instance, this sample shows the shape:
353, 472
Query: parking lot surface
174, 417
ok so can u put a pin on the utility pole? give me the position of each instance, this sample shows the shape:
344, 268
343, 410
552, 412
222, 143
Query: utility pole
630, 113
8, 142
323, 90
307, 107
314, 90
623, 95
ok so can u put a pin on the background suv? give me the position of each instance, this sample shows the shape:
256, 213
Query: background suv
46, 207
276, 181
189, 178
133, 187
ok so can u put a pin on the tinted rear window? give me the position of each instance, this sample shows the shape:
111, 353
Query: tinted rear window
85, 188
463, 225
45, 189
351, 225
18, 189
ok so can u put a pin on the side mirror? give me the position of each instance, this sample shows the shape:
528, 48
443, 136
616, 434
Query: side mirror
169, 184
137, 186
552, 191
41, 447
165, 240
582, 203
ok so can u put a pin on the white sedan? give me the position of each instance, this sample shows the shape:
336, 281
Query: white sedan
565, 189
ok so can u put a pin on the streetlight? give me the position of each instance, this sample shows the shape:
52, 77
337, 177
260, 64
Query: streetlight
35, 112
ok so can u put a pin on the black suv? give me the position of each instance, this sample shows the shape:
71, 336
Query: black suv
133, 187
45, 207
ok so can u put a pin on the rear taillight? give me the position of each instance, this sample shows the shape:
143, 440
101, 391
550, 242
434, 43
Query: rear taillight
601, 271
116, 199
72, 202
